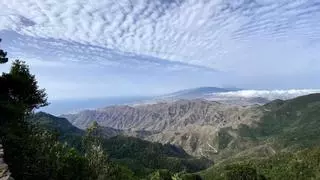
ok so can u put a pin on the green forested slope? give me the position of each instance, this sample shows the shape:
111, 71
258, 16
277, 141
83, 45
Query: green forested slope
285, 126
61, 125
282, 145
292, 123
143, 157
301, 165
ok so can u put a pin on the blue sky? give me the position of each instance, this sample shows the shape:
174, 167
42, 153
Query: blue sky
90, 49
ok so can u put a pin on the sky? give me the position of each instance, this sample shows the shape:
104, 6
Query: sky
102, 48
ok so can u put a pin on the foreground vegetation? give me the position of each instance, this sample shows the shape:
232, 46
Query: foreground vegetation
39, 148
142, 157
35, 153
302, 165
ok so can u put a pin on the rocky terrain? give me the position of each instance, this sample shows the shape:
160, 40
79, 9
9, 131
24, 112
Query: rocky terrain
200, 127
174, 115
282, 133
191, 124
4, 171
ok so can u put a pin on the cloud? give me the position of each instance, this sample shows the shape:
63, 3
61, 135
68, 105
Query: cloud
71, 70
268, 94
63, 52
203, 33
247, 43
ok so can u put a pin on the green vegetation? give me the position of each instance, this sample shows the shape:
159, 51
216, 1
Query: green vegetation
292, 123
3, 56
35, 153
60, 127
285, 126
282, 145
301, 165
224, 138
53, 123
242, 159
142, 157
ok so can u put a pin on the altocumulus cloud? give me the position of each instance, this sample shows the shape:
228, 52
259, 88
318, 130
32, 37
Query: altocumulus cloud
248, 43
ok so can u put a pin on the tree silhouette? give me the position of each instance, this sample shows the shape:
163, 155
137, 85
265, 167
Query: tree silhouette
3, 56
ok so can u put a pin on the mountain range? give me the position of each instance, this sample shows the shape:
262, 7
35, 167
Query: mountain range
58, 107
195, 125
233, 96
200, 92
217, 133
141, 156
191, 124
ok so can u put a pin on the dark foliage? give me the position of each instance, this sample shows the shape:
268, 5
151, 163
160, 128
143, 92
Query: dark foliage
142, 155
242, 172
3, 56
32, 152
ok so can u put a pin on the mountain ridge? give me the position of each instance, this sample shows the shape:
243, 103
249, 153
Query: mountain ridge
277, 132
141, 156
179, 122
195, 125
198, 92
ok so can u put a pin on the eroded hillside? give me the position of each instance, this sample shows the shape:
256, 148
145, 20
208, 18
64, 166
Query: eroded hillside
191, 124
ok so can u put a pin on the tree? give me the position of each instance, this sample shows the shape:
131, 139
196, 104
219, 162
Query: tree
94, 153
99, 163
189, 177
22, 88
162, 174
242, 172
3, 89
19, 96
34, 153
54, 160
3, 56
176, 176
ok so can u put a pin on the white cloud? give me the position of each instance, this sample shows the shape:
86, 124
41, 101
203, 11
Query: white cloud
268, 94
216, 34
179, 43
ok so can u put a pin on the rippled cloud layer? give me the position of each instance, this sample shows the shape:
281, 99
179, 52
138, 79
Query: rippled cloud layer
248, 43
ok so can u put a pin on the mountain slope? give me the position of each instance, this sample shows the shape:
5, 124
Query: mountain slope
62, 125
215, 130
197, 92
162, 116
191, 124
300, 165
291, 122
283, 144
259, 137
141, 156
285, 126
